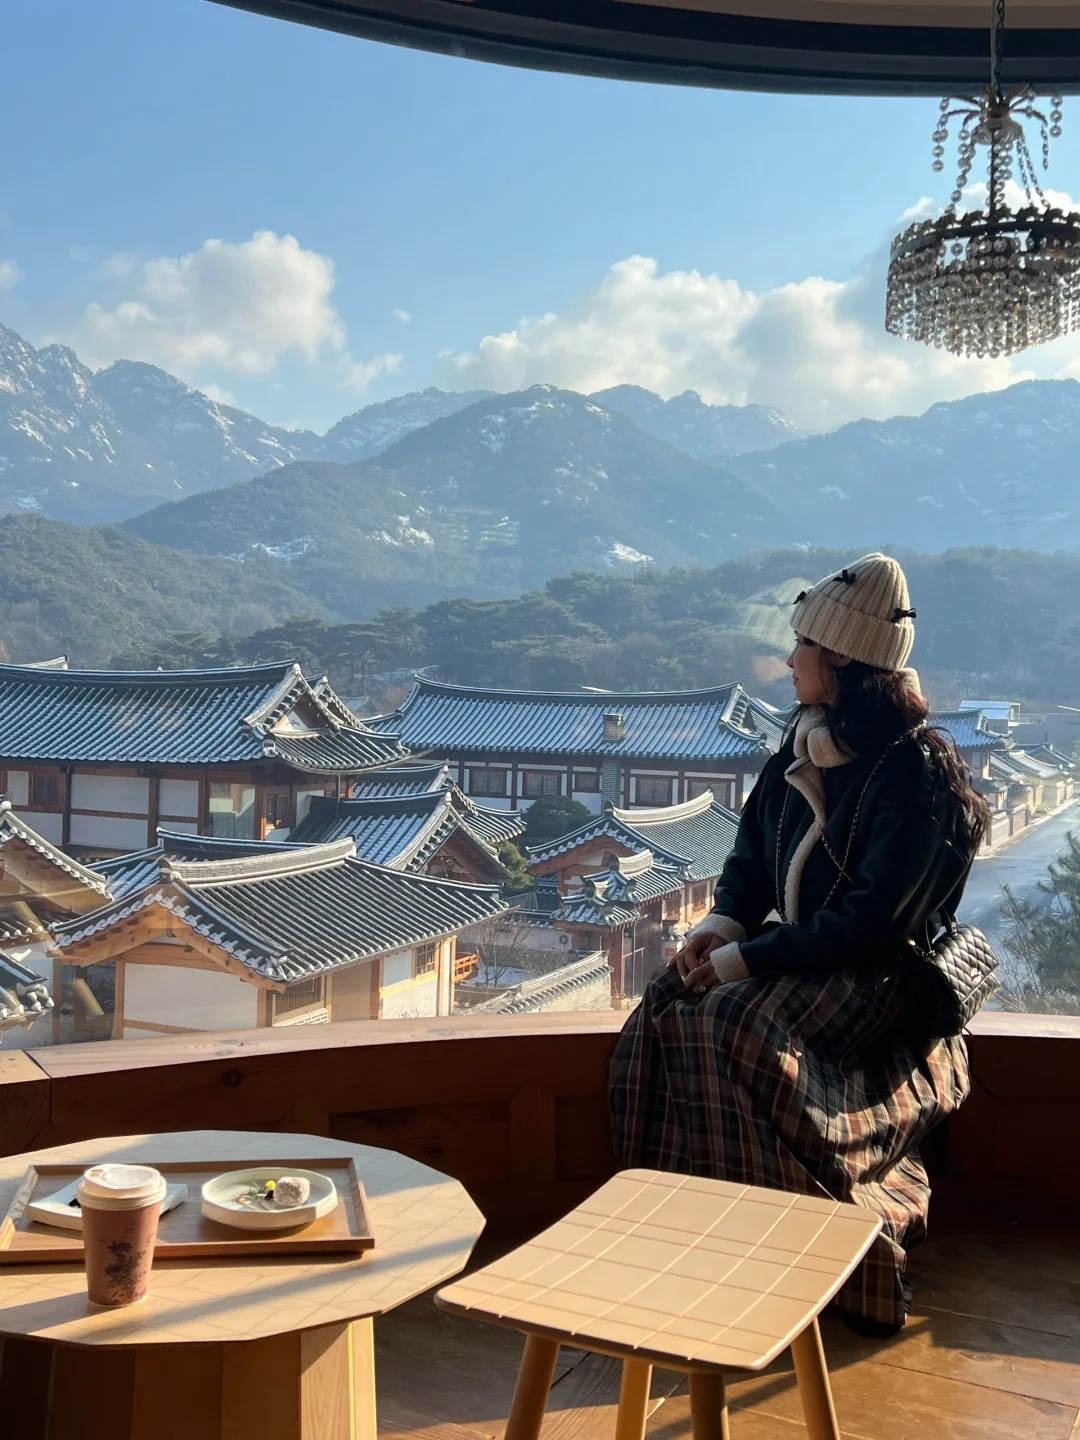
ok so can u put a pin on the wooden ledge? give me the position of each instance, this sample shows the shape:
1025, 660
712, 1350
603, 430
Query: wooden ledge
514, 1106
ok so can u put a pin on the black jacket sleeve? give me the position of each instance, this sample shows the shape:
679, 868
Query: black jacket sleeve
908, 869
746, 888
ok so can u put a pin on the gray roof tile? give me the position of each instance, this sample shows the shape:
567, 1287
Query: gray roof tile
697, 835
693, 724
299, 912
178, 717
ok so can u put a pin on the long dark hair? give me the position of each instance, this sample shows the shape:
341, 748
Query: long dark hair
875, 707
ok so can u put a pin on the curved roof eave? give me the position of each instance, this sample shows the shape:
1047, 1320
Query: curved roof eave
860, 47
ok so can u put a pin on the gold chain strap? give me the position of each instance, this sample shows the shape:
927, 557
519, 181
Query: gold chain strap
841, 866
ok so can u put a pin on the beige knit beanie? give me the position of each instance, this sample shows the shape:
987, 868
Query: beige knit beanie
863, 613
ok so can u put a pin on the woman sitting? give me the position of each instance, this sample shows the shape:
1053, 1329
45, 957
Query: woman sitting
778, 1051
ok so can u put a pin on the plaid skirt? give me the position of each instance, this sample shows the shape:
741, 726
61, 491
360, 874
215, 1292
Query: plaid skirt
796, 1083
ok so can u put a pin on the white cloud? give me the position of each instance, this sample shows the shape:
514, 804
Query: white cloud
815, 348
359, 374
403, 317
10, 274
225, 306
217, 393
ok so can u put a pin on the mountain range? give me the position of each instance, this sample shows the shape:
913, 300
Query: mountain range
185, 513
489, 501
994, 469
98, 447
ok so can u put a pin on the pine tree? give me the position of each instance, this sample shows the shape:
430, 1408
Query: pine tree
1043, 943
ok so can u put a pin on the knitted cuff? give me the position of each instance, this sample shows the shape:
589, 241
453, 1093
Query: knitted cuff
722, 925
729, 964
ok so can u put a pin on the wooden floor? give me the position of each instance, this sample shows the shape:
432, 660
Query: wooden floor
991, 1352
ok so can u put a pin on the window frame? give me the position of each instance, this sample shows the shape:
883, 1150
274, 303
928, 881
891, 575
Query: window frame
590, 788
545, 777
421, 956
649, 782
484, 773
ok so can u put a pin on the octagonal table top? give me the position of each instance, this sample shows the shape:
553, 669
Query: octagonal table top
424, 1223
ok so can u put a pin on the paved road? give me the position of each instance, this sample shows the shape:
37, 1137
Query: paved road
1020, 865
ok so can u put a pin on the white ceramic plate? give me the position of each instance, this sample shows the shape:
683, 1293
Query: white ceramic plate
220, 1199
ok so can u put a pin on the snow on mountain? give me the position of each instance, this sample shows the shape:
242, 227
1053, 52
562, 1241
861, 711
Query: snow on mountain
992, 469
373, 429
707, 432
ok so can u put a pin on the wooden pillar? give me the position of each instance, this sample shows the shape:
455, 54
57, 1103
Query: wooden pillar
153, 809
65, 833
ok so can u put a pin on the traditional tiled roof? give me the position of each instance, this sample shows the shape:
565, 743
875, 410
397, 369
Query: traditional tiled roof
1052, 756
16, 831
19, 924
968, 729
668, 725
1029, 765
24, 995
769, 721
406, 830
696, 836
545, 990
126, 874
611, 897
407, 780
182, 717
993, 709
297, 912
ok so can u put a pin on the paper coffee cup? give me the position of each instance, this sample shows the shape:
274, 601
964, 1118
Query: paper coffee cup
121, 1206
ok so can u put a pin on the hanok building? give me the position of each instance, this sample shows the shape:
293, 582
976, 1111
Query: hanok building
94, 760
508, 748
38, 884
434, 832
225, 935
631, 879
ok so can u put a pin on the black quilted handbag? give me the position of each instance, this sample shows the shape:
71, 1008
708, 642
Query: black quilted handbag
945, 986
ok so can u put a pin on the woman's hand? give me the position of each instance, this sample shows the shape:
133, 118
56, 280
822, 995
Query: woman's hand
692, 962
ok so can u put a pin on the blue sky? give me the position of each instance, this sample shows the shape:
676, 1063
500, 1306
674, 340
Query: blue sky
467, 197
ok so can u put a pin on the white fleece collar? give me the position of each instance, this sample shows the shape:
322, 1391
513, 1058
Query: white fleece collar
815, 750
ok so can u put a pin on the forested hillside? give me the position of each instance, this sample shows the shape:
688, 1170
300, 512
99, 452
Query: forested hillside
990, 623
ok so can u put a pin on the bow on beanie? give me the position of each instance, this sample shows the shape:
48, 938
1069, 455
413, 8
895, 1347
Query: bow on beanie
864, 613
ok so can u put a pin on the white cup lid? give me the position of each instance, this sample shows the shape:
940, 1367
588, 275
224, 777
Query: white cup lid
110, 1182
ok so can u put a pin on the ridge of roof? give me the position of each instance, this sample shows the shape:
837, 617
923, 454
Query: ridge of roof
608, 698
666, 814
18, 827
224, 675
299, 861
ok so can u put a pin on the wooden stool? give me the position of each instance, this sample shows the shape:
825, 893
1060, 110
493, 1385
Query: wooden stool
696, 1275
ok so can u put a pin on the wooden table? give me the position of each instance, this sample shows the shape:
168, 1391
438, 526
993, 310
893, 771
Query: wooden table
273, 1348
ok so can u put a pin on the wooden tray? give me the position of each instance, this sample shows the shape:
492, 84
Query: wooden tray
185, 1232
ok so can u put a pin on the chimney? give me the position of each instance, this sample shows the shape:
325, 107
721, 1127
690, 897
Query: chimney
614, 726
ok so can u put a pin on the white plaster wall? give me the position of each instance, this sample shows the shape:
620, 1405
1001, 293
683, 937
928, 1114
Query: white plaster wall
195, 999
128, 793
182, 827
48, 824
419, 999
179, 797
396, 968
591, 800
104, 830
19, 786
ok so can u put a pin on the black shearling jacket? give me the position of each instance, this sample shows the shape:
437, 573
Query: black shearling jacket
911, 851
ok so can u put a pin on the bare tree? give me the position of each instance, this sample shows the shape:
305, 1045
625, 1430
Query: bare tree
501, 943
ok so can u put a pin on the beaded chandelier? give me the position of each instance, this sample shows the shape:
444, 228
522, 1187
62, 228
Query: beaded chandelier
993, 281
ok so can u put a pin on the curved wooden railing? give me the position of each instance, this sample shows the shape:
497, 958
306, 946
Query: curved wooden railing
513, 1106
